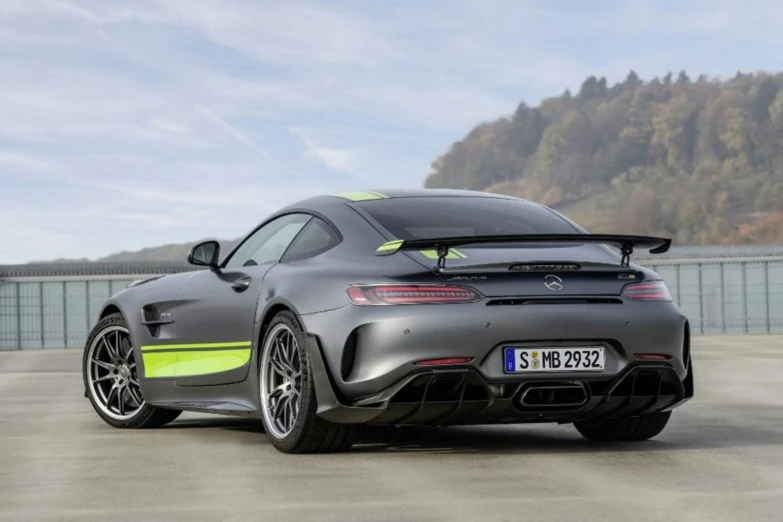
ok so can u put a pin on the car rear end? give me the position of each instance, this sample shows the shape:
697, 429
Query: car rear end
503, 333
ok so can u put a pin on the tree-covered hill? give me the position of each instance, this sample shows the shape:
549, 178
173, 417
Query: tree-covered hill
701, 160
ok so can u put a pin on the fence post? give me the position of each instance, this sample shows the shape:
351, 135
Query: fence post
744, 295
766, 292
87, 304
679, 294
722, 300
65, 316
41, 312
18, 316
701, 303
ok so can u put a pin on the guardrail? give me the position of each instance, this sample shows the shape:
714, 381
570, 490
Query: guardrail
738, 295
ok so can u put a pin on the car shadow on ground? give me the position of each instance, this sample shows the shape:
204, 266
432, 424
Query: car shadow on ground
727, 426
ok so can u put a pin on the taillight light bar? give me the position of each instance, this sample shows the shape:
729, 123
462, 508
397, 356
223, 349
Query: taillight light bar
369, 295
652, 357
447, 361
649, 291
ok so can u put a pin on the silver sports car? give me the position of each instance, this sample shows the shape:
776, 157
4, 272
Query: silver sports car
422, 307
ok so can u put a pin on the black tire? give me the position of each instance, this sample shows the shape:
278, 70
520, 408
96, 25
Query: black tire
625, 429
147, 416
310, 433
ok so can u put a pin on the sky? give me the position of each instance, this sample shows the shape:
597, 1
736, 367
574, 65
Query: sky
128, 124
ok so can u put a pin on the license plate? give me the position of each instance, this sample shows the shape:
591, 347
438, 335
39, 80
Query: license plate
573, 359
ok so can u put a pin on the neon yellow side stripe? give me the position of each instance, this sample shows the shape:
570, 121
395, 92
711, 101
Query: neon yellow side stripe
201, 363
196, 346
453, 254
388, 248
159, 364
360, 196
188, 364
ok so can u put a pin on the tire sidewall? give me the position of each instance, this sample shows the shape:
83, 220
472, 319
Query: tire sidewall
307, 401
144, 412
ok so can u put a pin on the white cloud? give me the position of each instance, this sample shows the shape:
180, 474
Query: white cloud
335, 158
231, 130
14, 159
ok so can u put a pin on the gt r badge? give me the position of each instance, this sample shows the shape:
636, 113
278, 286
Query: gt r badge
468, 278
553, 282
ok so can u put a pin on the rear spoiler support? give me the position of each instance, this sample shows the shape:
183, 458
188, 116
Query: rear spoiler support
625, 251
626, 244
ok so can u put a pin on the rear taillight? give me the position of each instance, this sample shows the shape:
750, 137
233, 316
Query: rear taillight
650, 291
365, 295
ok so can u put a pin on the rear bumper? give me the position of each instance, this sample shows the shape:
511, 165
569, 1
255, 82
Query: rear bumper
462, 396
367, 350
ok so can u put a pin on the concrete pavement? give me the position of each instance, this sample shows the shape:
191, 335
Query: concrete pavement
720, 459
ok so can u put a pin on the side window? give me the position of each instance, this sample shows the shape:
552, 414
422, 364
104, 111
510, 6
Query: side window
316, 238
269, 242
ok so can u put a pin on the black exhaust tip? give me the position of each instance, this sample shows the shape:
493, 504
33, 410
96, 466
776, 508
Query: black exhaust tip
536, 396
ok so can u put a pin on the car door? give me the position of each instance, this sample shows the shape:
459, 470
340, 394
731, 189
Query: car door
216, 308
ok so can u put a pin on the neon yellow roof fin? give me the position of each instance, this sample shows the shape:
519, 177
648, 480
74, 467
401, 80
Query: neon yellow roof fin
389, 248
360, 196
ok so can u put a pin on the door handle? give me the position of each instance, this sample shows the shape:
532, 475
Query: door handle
241, 284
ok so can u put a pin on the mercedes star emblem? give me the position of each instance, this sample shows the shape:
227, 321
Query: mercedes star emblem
553, 282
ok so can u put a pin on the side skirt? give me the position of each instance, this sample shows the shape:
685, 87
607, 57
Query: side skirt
226, 399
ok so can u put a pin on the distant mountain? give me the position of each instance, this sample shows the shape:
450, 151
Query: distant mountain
170, 252
701, 161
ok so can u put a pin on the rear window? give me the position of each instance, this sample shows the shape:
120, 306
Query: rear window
431, 217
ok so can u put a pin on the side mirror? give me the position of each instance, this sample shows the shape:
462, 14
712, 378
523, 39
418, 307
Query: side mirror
205, 254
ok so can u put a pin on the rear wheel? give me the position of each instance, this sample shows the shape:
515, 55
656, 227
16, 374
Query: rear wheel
625, 429
287, 394
111, 378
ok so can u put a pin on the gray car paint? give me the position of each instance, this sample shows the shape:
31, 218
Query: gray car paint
392, 338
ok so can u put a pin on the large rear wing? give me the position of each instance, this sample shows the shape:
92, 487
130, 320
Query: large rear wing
626, 244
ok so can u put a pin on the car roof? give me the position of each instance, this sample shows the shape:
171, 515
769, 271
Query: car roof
323, 202
365, 195
329, 203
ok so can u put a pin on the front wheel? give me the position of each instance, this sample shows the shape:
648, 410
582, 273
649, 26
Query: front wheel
624, 429
287, 394
111, 378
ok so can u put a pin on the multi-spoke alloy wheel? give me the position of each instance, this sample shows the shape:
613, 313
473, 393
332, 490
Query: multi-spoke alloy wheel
287, 393
281, 381
113, 380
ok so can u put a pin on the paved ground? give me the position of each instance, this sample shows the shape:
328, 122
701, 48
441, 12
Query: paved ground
721, 458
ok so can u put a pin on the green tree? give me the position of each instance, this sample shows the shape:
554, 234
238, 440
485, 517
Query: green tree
700, 161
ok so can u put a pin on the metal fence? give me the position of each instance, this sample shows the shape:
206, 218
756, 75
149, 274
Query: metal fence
727, 296
742, 295
51, 314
